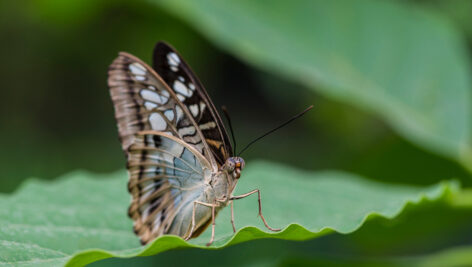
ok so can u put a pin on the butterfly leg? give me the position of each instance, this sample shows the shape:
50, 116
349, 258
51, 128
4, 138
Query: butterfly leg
232, 217
260, 207
212, 224
212, 206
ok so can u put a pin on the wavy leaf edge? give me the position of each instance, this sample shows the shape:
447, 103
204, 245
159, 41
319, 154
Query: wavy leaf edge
249, 233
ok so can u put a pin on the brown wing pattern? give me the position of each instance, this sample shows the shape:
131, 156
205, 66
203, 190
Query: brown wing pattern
143, 101
166, 176
178, 75
162, 165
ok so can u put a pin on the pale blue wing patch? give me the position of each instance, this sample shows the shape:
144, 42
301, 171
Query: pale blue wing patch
165, 176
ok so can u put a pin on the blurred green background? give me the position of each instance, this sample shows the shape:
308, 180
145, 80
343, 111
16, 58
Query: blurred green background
56, 114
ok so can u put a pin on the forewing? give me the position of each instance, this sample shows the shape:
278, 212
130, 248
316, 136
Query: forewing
166, 175
178, 75
143, 101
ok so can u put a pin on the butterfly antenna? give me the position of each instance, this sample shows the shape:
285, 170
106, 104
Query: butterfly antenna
225, 111
276, 128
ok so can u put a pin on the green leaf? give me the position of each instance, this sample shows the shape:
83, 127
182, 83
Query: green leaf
82, 217
418, 230
285, 253
406, 64
410, 239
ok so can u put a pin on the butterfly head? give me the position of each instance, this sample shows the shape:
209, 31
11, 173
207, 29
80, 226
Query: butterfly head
233, 166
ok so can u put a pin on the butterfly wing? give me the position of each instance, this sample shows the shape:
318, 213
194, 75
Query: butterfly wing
166, 177
178, 75
159, 186
143, 101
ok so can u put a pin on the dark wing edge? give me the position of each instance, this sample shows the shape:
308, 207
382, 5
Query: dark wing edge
169, 74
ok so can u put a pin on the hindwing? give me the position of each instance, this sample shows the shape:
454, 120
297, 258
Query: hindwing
166, 176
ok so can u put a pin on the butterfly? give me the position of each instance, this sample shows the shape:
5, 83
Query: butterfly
181, 165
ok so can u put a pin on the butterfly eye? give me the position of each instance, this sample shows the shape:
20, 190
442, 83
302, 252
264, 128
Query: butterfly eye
229, 165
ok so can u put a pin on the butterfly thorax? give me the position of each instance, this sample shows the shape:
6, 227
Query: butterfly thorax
223, 182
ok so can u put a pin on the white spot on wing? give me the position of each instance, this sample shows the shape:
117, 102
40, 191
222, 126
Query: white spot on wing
169, 114
174, 68
202, 107
191, 86
180, 88
157, 122
173, 59
181, 79
150, 96
208, 125
179, 113
180, 97
155, 97
194, 109
165, 93
150, 105
137, 69
140, 77
190, 130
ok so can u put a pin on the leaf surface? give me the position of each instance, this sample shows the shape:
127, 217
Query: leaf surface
81, 218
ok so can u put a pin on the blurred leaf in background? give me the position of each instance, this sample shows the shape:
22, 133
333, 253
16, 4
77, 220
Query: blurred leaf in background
390, 81
405, 64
